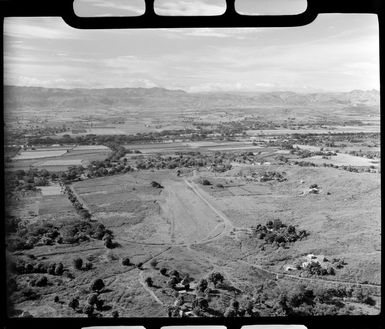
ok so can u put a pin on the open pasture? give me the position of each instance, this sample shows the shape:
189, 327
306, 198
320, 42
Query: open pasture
347, 202
30, 155
62, 159
55, 205
342, 159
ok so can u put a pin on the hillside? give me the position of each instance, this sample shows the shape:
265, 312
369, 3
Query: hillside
157, 98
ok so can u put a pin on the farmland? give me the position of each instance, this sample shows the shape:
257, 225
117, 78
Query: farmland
231, 213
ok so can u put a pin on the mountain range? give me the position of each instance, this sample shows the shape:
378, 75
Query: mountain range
17, 97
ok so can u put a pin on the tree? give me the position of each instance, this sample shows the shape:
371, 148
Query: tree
78, 263
88, 266
88, 309
59, 269
202, 285
73, 303
234, 304
41, 281
92, 299
97, 285
230, 313
172, 282
126, 261
163, 271
174, 273
108, 243
216, 277
28, 268
115, 314
153, 263
148, 281
99, 304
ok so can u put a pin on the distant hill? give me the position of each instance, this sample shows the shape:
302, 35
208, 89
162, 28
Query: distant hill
54, 99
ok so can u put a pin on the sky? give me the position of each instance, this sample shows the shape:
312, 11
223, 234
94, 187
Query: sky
336, 52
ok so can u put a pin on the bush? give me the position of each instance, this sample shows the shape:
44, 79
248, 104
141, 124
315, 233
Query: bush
56, 299
216, 277
51, 268
172, 282
99, 304
230, 313
28, 268
202, 285
92, 299
88, 266
163, 271
126, 261
139, 265
174, 273
153, 263
156, 184
205, 182
148, 281
115, 314
74, 303
41, 282
59, 269
97, 285
108, 243
78, 263
88, 309
40, 268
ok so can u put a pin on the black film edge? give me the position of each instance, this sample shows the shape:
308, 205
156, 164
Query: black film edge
149, 19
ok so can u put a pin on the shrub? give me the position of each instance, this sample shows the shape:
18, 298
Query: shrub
56, 299
40, 268
74, 303
108, 243
202, 285
156, 184
78, 263
148, 281
172, 282
206, 182
126, 261
115, 314
92, 299
163, 271
97, 285
59, 269
41, 281
99, 304
88, 266
174, 273
229, 313
234, 304
139, 265
51, 268
215, 277
88, 309
28, 268
153, 263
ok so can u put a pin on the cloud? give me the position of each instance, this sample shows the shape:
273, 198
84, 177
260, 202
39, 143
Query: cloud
190, 8
117, 7
52, 28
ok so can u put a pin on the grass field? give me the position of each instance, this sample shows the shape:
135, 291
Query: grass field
197, 229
